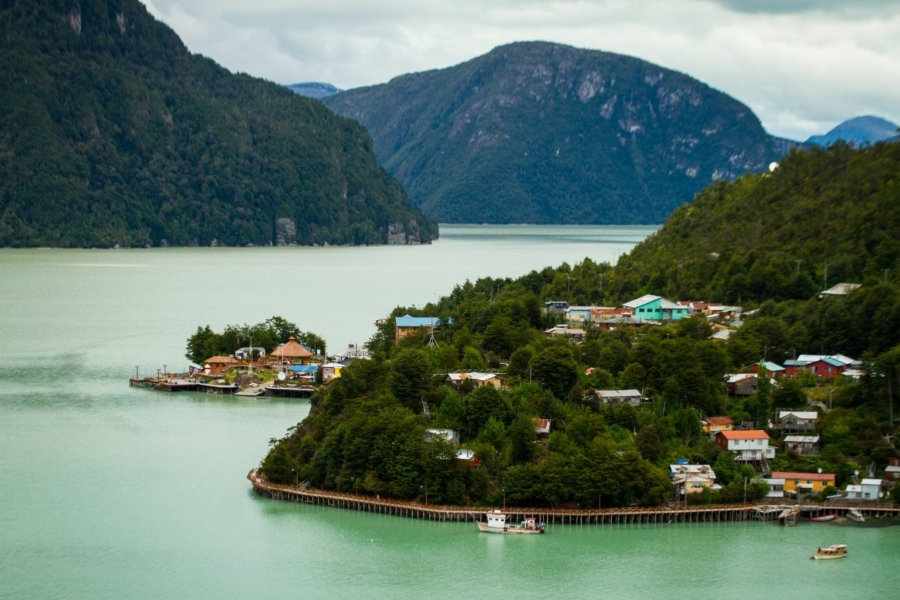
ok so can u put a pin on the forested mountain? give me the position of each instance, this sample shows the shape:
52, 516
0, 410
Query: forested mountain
544, 133
762, 240
859, 131
113, 134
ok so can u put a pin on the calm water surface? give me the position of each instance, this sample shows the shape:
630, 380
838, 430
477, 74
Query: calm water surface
112, 492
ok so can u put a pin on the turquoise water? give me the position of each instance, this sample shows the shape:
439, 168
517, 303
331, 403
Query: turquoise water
112, 492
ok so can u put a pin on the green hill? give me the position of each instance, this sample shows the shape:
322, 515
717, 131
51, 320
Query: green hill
113, 134
544, 133
365, 432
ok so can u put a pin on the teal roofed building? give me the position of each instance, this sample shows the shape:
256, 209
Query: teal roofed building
656, 308
407, 324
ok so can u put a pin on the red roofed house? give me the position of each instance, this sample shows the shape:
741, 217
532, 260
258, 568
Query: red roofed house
747, 446
216, 365
541, 426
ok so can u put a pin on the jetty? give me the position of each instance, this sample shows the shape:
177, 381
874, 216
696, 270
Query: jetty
679, 513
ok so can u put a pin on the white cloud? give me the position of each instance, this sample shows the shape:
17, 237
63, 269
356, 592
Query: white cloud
803, 66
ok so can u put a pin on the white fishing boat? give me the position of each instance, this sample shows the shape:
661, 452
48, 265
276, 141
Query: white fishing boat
833, 551
855, 515
497, 523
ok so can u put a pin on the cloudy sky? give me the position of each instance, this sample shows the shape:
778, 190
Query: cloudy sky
803, 66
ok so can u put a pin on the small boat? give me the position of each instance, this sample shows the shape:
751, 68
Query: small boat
855, 515
496, 523
824, 518
833, 551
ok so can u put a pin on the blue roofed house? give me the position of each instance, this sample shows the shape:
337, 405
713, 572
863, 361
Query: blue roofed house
656, 308
407, 324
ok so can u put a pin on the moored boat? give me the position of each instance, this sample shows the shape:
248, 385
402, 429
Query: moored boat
824, 518
833, 551
855, 515
497, 523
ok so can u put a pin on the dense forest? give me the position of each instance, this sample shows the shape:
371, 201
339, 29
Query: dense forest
113, 134
535, 132
365, 430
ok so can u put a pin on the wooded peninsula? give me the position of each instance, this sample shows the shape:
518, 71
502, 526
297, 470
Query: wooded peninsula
795, 266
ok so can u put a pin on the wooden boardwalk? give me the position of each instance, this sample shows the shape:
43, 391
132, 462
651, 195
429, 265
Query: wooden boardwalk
607, 516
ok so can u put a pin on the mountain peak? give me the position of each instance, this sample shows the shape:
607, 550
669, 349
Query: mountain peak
858, 130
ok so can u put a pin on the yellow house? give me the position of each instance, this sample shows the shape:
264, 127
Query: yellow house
804, 482
713, 425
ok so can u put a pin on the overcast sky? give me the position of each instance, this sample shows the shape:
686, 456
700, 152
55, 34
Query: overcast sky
803, 66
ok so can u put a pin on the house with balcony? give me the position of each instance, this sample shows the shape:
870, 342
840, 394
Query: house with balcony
792, 421
802, 483
747, 446
691, 479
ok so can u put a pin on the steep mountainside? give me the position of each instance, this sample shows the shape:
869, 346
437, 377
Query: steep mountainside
859, 130
112, 133
543, 133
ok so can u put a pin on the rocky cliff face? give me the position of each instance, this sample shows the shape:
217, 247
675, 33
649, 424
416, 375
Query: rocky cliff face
544, 133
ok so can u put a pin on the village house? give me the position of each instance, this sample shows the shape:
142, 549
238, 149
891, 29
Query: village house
216, 365
741, 384
802, 444
656, 308
477, 379
691, 479
841, 289
791, 421
565, 331
448, 435
541, 426
621, 321
555, 307
350, 353
867, 489
405, 325
331, 371
632, 397
713, 425
804, 483
892, 472
578, 315
773, 369
468, 459
747, 446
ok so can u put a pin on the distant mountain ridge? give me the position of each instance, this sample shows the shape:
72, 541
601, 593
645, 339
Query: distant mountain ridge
859, 131
536, 132
113, 134
313, 89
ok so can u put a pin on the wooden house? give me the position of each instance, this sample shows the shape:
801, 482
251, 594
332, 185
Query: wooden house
892, 472
291, 352
216, 365
804, 483
867, 489
691, 478
477, 379
792, 421
405, 325
632, 397
802, 444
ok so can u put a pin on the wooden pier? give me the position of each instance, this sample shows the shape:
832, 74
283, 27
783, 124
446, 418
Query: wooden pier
163, 384
607, 516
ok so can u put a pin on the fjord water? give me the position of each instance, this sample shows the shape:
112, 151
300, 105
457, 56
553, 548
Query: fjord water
110, 491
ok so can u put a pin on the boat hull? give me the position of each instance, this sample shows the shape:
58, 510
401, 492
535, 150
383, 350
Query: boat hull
824, 518
509, 530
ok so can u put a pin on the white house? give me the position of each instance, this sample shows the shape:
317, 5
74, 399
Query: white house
867, 489
692, 478
746, 445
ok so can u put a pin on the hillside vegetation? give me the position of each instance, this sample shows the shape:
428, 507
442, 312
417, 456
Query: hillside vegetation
543, 133
365, 430
113, 134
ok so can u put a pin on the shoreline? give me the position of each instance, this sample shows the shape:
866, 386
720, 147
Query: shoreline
761, 512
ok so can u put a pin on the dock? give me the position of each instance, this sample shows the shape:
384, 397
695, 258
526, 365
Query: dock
607, 516
183, 385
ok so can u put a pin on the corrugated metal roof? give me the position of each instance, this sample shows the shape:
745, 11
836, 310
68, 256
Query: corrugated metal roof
807, 476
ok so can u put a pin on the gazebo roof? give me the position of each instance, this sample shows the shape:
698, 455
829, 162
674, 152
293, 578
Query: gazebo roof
291, 349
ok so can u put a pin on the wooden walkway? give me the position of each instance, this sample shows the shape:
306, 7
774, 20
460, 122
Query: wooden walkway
607, 516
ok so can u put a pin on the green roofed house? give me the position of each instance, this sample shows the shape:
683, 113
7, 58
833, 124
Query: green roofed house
655, 308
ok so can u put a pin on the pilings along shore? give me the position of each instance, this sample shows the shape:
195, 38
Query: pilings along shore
606, 516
